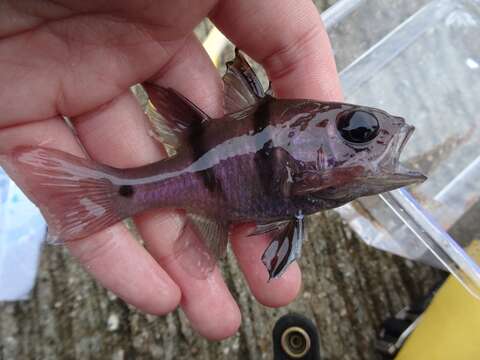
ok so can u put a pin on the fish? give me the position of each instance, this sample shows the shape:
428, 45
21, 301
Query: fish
269, 161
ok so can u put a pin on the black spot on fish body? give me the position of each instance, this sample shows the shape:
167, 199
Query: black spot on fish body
322, 124
303, 121
126, 191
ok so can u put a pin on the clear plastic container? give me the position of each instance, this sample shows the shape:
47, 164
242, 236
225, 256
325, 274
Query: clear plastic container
22, 230
419, 60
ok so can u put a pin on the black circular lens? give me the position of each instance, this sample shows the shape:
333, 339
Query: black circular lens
295, 342
358, 126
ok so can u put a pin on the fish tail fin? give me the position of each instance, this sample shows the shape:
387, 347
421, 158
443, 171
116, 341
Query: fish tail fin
76, 196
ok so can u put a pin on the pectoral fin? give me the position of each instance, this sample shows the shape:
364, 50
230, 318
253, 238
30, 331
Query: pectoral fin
242, 87
275, 168
284, 248
315, 182
199, 254
274, 227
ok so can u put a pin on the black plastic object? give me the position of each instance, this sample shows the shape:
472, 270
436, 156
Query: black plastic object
395, 330
295, 337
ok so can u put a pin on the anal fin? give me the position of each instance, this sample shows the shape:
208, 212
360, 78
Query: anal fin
198, 254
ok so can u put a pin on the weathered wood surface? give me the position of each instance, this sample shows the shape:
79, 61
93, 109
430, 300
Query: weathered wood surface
348, 289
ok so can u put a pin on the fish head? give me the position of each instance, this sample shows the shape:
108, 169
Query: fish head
356, 154
374, 140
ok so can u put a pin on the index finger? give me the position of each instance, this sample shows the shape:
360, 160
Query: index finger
288, 38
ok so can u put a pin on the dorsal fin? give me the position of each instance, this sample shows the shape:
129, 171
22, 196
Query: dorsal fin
241, 85
177, 116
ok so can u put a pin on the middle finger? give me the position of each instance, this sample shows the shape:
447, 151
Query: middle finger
207, 303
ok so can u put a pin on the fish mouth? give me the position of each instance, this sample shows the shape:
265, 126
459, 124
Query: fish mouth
396, 173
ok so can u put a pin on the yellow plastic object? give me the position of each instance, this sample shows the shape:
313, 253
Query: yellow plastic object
450, 327
214, 44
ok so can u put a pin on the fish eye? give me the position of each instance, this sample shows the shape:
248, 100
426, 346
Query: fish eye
358, 126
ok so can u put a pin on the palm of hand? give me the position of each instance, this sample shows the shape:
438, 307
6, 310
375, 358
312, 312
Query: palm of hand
79, 60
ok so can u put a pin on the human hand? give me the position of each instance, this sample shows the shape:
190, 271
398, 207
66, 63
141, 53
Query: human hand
79, 59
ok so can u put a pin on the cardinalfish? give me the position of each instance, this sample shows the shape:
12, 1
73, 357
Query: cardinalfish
269, 161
